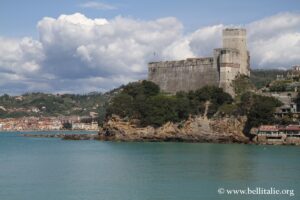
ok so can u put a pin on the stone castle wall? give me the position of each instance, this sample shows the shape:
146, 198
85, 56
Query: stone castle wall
184, 75
220, 70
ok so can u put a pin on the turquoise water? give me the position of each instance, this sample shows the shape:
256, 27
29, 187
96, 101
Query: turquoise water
53, 169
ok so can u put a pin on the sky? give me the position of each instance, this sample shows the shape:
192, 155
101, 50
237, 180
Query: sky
64, 46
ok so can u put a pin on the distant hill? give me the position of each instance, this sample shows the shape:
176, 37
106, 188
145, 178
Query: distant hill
262, 77
41, 104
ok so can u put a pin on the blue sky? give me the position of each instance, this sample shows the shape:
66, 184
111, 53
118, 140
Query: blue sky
19, 18
76, 46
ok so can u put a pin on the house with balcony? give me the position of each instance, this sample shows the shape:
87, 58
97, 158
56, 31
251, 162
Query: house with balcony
278, 134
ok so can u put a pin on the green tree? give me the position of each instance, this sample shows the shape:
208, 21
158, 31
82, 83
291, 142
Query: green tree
143, 100
216, 96
278, 86
261, 111
121, 105
242, 84
160, 109
146, 88
150, 88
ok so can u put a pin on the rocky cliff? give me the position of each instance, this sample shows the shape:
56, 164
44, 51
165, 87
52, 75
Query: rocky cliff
195, 129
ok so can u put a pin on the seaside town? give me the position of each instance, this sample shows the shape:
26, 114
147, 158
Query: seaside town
48, 124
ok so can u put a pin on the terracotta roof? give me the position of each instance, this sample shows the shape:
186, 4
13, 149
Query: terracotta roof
268, 128
282, 128
273, 128
292, 128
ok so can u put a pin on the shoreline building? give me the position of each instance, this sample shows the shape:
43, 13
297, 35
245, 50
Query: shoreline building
275, 134
220, 70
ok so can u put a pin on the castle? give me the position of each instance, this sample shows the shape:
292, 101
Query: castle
220, 70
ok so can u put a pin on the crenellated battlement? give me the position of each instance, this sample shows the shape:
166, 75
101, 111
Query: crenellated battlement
234, 33
183, 63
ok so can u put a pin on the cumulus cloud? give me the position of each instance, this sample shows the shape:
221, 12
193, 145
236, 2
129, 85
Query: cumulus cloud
78, 54
20, 55
274, 42
80, 47
83, 51
197, 44
97, 5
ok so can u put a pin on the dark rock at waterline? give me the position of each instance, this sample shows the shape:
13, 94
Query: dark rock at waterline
65, 136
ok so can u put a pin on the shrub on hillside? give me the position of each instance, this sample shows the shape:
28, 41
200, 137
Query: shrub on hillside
258, 109
143, 100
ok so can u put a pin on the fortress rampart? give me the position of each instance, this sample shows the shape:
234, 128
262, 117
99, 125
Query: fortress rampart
193, 73
183, 75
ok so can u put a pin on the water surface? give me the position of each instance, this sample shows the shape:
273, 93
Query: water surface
53, 169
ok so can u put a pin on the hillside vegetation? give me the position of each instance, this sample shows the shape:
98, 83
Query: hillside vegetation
145, 102
40, 104
263, 77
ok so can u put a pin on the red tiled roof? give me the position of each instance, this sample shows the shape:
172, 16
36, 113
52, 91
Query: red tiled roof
273, 128
282, 128
268, 128
292, 128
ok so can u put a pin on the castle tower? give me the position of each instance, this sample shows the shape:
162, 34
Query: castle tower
234, 38
227, 61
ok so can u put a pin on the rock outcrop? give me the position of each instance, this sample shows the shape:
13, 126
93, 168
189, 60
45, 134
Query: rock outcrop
195, 129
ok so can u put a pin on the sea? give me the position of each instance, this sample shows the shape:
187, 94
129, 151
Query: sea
55, 169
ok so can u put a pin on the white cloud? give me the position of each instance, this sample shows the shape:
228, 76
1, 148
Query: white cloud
274, 42
197, 44
178, 50
274, 25
78, 46
277, 51
78, 54
20, 55
98, 5
74, 50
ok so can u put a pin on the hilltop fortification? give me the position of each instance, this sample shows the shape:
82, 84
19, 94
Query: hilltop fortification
193, 73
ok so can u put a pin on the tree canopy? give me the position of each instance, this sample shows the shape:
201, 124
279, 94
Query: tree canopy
144, 101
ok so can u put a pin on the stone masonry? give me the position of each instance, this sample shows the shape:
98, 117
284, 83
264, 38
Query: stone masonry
193, 73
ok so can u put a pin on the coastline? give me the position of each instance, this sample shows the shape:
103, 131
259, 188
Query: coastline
196, 129
154, 140
64, 136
